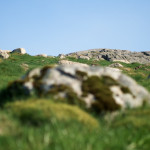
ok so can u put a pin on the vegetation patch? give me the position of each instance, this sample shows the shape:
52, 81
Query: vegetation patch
37, 112
14, 90
99, 87
7, 124
69, 96
81, 75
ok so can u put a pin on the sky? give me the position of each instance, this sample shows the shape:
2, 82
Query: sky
63, 26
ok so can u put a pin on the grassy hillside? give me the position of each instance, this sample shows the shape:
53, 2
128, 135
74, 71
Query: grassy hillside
42, 124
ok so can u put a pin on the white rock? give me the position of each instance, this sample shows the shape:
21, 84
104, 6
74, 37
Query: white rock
19, 50
84, 57
61, 56
116, 65
3, 55
7, 51
43, 55
67, 62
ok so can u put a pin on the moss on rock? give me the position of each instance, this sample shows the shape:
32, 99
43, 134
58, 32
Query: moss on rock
81, 75
99, 87
70, 96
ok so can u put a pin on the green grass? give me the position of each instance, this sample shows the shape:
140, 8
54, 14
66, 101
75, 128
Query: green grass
45, 124
128, 130
11, 69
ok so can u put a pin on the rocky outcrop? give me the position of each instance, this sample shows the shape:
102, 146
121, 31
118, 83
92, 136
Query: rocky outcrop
19, 50
98, 88
114, 55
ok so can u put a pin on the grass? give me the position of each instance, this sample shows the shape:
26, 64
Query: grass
45, 124
11, 69
127, 130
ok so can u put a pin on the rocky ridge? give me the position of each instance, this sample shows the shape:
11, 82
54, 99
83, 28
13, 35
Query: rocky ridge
113, 55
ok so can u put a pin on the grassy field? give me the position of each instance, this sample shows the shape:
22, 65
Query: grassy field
42, 124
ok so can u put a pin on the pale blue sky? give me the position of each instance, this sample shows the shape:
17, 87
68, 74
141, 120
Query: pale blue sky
64, 26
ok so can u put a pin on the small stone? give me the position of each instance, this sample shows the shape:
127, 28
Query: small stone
61, 56
43, 55
84, 57
116, 65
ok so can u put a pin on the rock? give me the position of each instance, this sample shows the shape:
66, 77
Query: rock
115, 55
25, 66
84, 57
3, 55
67, 62
147, 53
114, 69
43, 55
61, 56
7, 51
98, 88
116, 65
19, 50
51, 56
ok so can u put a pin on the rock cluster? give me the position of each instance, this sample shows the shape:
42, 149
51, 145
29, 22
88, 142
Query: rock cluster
99, 88
5, 53
113, 55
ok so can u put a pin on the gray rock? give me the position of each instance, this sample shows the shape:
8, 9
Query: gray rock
42, 55
84, 57
115, 55
61, 56
67, 62
99, 88
19, 50
116, 65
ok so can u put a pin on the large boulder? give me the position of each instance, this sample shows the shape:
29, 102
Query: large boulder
19, 50
98, 88
4, 55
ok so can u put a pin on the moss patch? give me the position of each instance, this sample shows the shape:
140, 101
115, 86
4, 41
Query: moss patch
37, 112
7, 124
13, 91
125, 90
81, 75
99, 87
70, 96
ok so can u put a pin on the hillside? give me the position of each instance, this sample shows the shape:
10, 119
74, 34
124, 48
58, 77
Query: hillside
45, 121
